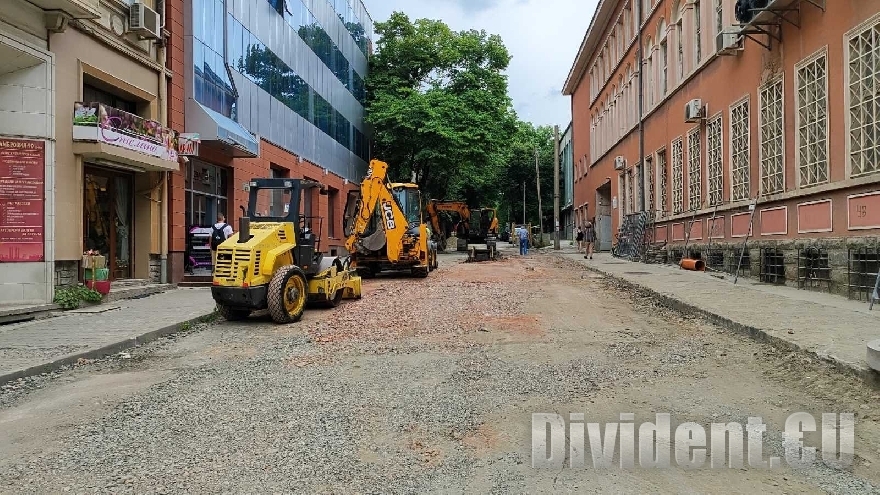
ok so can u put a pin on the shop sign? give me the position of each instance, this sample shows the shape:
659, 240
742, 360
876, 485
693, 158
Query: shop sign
105, 124
188, 144
22, 199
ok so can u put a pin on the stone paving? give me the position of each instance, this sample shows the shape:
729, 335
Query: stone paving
829, 326
39, 343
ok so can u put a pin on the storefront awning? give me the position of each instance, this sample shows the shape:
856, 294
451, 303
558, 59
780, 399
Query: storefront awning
213, 126
115, 156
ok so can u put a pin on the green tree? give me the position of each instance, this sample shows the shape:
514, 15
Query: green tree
437, 100
520, 170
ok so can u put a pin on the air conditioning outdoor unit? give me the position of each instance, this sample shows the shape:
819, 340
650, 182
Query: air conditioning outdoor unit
729, 42
693, 111
144, 21
619, 163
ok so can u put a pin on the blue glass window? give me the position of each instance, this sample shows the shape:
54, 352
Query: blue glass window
211, 84
300, 18
260, 65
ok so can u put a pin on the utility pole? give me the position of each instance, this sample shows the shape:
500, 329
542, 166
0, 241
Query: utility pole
524, 204
556, 186
538, 180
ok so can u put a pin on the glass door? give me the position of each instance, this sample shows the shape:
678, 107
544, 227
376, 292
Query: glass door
108, 219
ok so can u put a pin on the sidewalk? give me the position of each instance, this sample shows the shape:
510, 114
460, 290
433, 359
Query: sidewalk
43, 345
830, 327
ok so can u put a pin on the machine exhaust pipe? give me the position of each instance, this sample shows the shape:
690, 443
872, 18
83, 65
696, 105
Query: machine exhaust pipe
244, 230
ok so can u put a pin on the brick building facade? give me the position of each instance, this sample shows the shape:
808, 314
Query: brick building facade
775, 111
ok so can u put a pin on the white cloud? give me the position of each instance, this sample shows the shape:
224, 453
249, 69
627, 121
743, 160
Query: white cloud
543, 38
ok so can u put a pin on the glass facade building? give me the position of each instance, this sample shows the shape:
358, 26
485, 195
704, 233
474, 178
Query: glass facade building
288, 71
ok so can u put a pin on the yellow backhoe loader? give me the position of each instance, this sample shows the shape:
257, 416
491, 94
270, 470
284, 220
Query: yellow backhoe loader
384, 226
273, 262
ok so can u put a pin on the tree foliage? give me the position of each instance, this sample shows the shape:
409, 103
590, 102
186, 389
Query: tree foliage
520, 171
437, 100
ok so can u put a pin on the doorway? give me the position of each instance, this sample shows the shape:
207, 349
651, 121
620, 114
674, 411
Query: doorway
108, 206
604, 233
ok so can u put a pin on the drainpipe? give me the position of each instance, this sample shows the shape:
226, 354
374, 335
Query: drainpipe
641, 52
163, 206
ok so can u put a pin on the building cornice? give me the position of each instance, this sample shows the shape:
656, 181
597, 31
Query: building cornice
591, 39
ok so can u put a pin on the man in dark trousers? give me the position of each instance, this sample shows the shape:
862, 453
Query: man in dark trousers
219, 233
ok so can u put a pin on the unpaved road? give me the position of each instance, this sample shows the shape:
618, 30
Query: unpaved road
424, 385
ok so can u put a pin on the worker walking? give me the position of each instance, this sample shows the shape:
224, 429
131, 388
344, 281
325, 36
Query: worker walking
580, 239
219, 233
523, 241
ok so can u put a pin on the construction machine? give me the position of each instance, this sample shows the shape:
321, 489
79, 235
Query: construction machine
274, 262
385, 228
443, 229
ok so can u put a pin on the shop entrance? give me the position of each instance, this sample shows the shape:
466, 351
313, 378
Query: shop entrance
108, 219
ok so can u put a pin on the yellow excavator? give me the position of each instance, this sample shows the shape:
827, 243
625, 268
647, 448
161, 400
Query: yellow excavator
476, 226
384, 226
273, 262
443, 230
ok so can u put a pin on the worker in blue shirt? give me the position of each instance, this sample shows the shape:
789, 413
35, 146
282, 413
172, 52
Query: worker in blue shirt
523, 241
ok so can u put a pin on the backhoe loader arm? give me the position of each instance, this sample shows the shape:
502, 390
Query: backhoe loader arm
375, 193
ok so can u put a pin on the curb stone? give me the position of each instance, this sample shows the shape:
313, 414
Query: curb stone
102, 352
858, 370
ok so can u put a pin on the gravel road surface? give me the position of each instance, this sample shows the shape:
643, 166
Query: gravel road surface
422, 386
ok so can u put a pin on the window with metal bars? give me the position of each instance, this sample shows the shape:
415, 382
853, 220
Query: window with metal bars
864, 100
814, 269
772, 266
772, 138
695, 172
663, 177
812, 125
739, 144
677, 177
864, 263
714, 169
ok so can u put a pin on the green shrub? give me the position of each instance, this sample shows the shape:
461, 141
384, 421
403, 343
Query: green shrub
71, 297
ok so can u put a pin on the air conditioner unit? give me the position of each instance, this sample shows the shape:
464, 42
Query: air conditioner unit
728, 42
144, 21
619, 163
693, 111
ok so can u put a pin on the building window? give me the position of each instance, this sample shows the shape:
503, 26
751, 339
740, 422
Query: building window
739, 147
719, 16
663, 176
679, 34
714, 169
695, 165
332, 203
649, 184
212, 86
677, 177
664, 67
698, 33
206, 194
92, 94
864, 101
630, 195
772, 138
812, 127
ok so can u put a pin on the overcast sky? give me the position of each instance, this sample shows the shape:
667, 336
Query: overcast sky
542, 36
